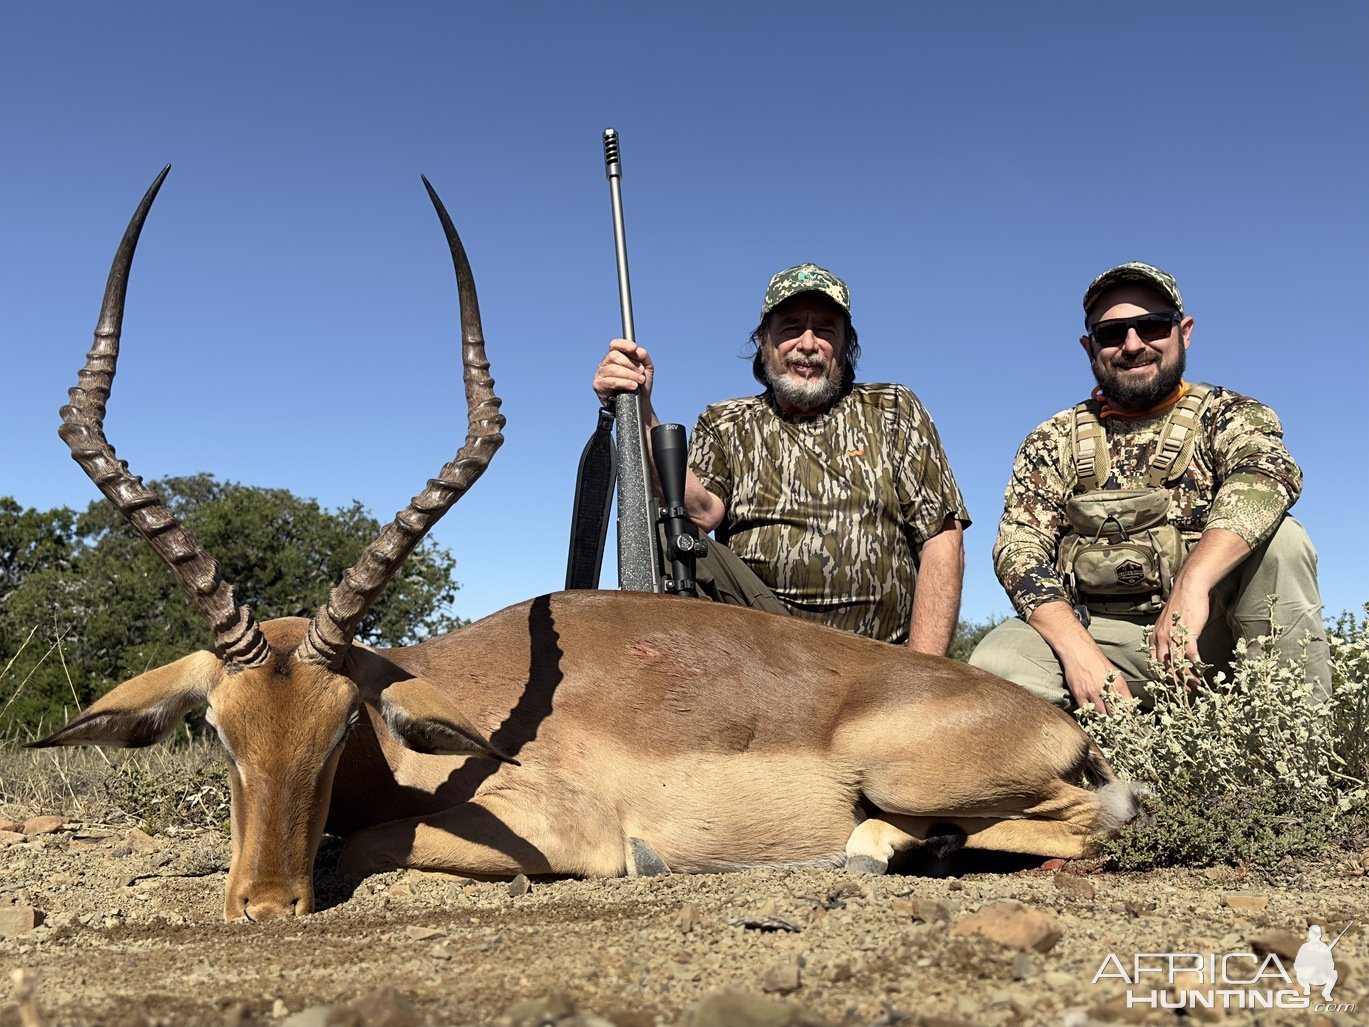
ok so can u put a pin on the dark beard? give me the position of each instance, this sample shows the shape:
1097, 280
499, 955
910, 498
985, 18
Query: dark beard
1135, 398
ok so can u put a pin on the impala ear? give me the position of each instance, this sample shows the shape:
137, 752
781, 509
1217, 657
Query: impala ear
142, 710
422, 717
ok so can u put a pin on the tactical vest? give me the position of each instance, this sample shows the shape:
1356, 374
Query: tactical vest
1121, 553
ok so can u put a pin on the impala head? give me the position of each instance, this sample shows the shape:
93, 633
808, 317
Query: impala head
283, 694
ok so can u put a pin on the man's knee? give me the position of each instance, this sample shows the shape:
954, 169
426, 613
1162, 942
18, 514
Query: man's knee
1284, 566
1015, 651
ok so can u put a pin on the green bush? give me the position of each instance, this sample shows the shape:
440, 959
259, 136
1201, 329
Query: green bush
1248, 769
85, 602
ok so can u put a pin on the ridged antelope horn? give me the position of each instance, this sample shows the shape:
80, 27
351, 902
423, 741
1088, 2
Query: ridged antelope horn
237, 638
331, 630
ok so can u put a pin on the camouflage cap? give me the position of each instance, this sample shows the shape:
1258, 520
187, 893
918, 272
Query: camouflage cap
805, 278
1142, 274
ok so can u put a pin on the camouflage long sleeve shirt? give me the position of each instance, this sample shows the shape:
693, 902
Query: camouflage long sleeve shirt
829, 511
1241, 478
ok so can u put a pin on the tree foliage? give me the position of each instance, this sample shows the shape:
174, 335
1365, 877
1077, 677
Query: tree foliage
85, 603
968, 634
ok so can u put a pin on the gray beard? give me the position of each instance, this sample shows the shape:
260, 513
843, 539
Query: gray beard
1122, 396
806, 394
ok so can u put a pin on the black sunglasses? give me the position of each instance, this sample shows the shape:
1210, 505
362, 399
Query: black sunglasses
1149, 327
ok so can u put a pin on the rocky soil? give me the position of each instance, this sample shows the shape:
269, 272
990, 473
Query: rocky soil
107, 925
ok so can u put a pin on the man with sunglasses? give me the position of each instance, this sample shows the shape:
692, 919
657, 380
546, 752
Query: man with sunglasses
1155, 504
833, 497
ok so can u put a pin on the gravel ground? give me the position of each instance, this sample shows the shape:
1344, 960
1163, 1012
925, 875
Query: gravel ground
129, 931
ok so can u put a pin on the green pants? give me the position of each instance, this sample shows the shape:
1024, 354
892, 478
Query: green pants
722, 576
1285, 566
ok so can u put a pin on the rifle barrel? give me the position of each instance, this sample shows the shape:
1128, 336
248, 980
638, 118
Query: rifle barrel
639, 569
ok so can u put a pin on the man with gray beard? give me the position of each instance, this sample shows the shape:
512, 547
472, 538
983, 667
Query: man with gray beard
1158, 506
832, 499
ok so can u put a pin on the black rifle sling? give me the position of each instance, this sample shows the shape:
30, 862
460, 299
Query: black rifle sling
593, 501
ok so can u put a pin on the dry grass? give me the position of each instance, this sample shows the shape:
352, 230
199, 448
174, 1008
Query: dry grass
181, 784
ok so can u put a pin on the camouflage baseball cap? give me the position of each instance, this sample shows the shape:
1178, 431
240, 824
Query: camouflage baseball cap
805, 278
1142, 274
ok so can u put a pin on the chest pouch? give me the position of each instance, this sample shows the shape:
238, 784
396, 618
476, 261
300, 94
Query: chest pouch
1121, 553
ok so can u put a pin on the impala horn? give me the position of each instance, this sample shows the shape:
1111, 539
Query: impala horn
331, 630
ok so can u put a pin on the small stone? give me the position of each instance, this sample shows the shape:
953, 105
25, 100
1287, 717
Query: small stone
1022, 967
519, 886
423, 933
18, 919
313, 1016
534, 1012
1116, 1010
440, 952
1012, 924
764, 923
1284, 944
43, 825
1245, 902
740, 1009
386, 1008
1053, 864
782, 978
1140, 907
1074, 886
687, 918
140, 841
1058, 979
921, 911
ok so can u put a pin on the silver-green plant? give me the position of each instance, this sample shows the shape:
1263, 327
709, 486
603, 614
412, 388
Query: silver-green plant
1247, 768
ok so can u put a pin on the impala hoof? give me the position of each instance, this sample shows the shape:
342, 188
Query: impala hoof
645, 861
866, 865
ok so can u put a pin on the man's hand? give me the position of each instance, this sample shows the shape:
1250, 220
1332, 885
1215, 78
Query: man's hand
1092, 675
626, 368
1087, 670
1174, 641
1216, 555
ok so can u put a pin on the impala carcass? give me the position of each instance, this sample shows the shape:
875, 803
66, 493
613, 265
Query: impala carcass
592, 733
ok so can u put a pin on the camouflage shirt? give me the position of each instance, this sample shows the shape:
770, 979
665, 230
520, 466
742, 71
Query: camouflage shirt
828, 511
1241, 478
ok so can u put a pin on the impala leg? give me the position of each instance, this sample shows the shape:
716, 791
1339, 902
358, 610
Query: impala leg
875, 841
1065, 826
487, 836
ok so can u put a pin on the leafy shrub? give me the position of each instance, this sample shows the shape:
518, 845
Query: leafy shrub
1248, 769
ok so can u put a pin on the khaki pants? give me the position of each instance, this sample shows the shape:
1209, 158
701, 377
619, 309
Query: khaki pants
1285, 566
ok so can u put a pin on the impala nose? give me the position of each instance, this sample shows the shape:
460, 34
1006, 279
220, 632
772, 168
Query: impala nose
270, 903
270, 907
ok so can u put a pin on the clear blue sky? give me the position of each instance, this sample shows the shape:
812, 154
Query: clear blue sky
967, 168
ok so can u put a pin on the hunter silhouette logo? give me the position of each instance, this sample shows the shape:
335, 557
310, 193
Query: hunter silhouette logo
1130, 572
1314, 966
